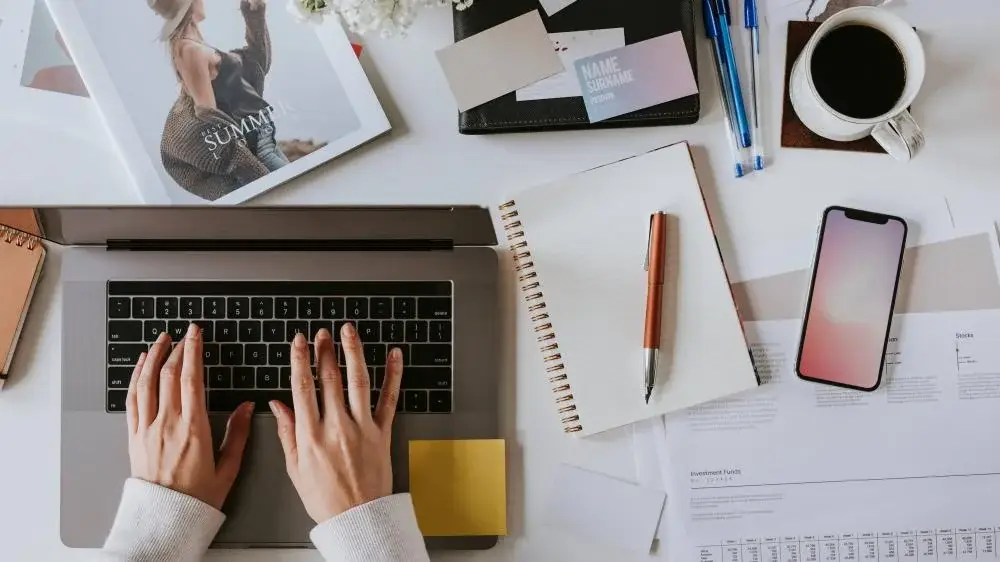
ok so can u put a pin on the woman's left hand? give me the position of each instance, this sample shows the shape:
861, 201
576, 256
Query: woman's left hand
170, 440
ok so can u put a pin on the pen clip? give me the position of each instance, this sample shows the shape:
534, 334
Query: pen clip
649, 245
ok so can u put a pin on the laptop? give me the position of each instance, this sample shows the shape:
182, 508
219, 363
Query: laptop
424, 279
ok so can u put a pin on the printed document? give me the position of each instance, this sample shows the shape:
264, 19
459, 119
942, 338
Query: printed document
801, 472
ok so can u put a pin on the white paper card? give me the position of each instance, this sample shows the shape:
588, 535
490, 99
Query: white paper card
596, 507
553, 6
570, 46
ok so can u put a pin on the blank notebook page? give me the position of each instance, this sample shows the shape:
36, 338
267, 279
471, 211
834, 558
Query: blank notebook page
587, 235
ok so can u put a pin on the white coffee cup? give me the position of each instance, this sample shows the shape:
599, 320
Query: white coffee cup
896, 130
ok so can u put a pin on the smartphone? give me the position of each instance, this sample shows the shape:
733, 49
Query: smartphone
845, 328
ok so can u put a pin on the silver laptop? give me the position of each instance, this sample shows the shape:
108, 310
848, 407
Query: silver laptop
424, 279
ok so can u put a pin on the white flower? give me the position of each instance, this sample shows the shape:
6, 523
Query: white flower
386, 17
310, 11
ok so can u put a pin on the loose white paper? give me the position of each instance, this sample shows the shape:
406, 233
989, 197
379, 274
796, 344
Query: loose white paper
553, 6
570, 46
596, 507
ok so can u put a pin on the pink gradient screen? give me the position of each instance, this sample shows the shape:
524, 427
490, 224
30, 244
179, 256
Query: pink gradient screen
852, 297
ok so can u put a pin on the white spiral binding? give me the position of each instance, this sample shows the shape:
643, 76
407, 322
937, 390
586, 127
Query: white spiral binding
530, 286
17, 238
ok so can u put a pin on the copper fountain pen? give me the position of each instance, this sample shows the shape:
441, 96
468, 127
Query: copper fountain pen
656, 257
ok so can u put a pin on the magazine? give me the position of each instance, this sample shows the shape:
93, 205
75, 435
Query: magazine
218, 101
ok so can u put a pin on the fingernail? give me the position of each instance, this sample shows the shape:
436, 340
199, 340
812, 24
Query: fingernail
349, 330
396, 355
246, 409
274, 409
163, 338
192, 330
142, 358
300, 340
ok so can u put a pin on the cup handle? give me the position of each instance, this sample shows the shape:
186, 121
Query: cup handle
900, 136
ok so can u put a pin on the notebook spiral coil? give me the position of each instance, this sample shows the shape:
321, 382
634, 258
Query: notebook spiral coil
16, 237
545, 333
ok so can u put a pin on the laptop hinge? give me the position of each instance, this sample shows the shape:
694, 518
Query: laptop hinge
280, 245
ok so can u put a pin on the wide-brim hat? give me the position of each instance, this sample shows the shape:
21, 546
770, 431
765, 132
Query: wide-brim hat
173, 12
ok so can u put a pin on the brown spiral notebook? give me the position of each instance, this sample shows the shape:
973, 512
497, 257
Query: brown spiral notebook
21, 258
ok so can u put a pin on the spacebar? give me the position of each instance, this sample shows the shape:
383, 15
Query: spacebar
228, 400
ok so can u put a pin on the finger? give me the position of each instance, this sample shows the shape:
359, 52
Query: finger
358, 385
193, 376
385, 413
148, 389
132, 398
303, 386
286, 434
233, 445
170, 382
329, 378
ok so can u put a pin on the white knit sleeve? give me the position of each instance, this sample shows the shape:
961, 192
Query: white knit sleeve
384, 530
156, 524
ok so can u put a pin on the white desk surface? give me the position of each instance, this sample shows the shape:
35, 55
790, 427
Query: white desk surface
426, 161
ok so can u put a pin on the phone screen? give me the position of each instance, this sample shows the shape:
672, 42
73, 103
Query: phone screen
846, 324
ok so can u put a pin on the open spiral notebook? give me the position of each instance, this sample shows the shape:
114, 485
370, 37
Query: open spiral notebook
578, 247
21, 258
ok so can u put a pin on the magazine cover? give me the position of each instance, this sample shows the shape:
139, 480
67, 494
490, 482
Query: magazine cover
45, 111
219, 100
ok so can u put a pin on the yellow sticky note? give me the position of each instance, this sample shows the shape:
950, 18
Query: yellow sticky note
459, 488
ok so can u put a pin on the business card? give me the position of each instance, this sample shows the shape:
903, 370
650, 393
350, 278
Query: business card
570, 46
553, 6
635, 77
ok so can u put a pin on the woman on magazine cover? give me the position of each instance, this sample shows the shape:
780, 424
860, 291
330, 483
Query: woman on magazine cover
219, 135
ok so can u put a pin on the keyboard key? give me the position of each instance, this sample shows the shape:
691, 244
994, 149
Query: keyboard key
392, 331
333, 308
244, 377
285, 377
232, 355
143, 307
220, 377
430, 354
297, 327
434, 308
191, 308
440, 401
369, 331
416, 331
274, 331
267, 377
262, 308
119, 377
379, 376
166, 307
125, 354
440, 332
151, 329
210, 354
119, 307
375, 354
337, 327
255, 354
279, 354
215, 308
207, 328
116, 400
125, 330
357, 308
237, 308
284, 308
404, 308
176, 329
310, 308
226, 332
415, 401
250, 331
316, 325
405, 350
380, 308
427, 377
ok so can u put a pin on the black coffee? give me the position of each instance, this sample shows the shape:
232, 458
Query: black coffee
859, 71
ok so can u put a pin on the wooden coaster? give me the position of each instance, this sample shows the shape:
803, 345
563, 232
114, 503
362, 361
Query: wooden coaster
794, 134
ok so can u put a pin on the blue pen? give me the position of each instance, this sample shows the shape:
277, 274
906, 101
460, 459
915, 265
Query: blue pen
712, 31
729, 59
751, 22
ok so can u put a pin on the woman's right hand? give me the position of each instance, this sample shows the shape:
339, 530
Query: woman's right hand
339, 460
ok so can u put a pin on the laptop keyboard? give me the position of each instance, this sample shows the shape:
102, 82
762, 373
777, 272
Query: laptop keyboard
248, 327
